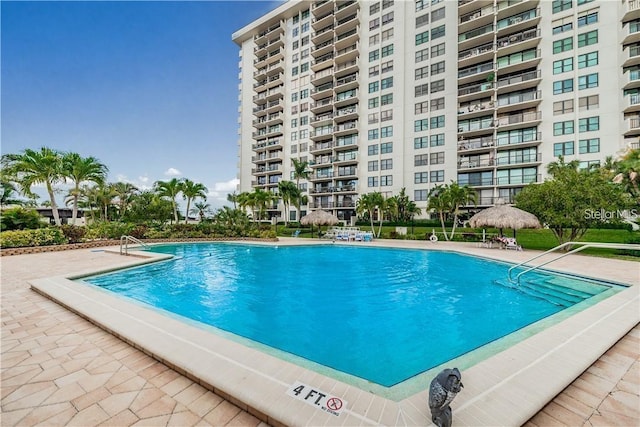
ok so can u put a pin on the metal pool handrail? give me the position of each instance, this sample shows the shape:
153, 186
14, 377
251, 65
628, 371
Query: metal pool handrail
124, 242
583, 245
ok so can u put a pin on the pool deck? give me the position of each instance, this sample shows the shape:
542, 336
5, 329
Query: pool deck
59, 369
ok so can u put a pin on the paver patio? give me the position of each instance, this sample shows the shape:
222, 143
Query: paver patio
60, 369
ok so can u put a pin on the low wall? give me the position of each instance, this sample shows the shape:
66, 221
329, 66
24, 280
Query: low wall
101, 243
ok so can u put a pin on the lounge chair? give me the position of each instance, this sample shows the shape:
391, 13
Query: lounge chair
295, 233
511, 243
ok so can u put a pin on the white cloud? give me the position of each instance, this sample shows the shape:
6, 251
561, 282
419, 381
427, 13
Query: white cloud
218, 196
172, 172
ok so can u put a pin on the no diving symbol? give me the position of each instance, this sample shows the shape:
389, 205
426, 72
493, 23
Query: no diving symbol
334, 404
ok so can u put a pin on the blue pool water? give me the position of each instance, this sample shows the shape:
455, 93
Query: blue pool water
384, 315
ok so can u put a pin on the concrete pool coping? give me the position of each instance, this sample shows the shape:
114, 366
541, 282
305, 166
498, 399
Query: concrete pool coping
505, 389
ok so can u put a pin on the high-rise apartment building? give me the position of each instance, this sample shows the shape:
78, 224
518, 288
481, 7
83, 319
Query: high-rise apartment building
384, 95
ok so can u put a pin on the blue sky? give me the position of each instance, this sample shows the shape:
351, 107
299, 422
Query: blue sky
149, 88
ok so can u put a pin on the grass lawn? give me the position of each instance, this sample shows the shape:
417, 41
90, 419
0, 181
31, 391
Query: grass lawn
529, 239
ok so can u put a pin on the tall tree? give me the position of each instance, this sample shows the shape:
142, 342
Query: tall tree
261, 199
125, 192
201, 209
80, 169
32, 167
289, 192
190, 191
233, 198
170, 189
369, 204
300, 171
627, 173
447, 200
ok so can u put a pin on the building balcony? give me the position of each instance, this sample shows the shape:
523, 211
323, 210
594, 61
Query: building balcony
346, 158
322, 49
475, 108
321, 190
476, 127
346, 128
267, 145
476, 37
475, 144
518, 180
321, 161
322, 120
321, 6
266, 121
321, 205
523, 40
274, 30
518, 141
268, 133
631, 103
322, 105
322, 35
322, 21
475, 72
322, 77
632, 33
475, 55
321, 147
633, 57
321, 134
268, 108
323, 91
345, 98
346, 113
518, 21
518, 160
632, 79
632, 126
347, 172
347, 82
320, 176
514, 121
262, 49
345, 9
467, 6
508, 8
518, 101
474, 91
476, 162
475, 18
322, 62
342, 69
519, 61
521, 81
348, 53
347, 24
632, 10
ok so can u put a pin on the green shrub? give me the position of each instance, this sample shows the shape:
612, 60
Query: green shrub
267, 234
109, 230
73, 233
39, 237
19, 218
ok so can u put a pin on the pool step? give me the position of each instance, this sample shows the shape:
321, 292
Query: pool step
550, 291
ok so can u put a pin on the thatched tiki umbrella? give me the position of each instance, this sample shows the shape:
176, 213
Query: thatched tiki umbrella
319, 218
504, 216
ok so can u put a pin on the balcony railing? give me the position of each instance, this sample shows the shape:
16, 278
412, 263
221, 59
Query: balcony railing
518, 37
476, 14
510, 99
518, 139
529, 75
519, 118
475, 51
475, 143
518, 160
476, 69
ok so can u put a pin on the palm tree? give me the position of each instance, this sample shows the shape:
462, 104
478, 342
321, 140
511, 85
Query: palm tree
261, 199
7, 191
190, 191
245, 200
125, 191
201, 209
288, 191
81, 169
233, 198
556, 168
369, 203
628, 172
169, 189
460, 196
300, 170
37, 167
438, 202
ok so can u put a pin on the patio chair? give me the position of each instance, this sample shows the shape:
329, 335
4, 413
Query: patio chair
511, 243
295, 233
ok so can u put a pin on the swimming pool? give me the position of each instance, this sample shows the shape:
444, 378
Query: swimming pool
377, 313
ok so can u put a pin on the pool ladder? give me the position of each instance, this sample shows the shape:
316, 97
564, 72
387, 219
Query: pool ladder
124, 244
582, 246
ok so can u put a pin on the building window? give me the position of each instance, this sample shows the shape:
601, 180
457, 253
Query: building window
372, 134
589, 124
589, 165
421, 177
437, 15
563, 128
437, 104
563, 148
374, 39
580, 2
372, 181
589, 102
420, 195
421, 73
588, 59
304, 27
562, 65
386, 4
374, 8
437, 176
562, 28
374, 71
437, 122
422, 55
372, 150
374, 23
387, 34
387, 66
421, 107
436, 140
421, 125
587, 39
437, 32
563, 107
563, 45
372, 165
586, 146
386, 99
421, 90
386, 115
386, 180
372, 118
386, 164
374, 55
437, 68
420, 142
437, 86
421, 4
294, 71
587, 82
437, 50
587, 19
386, 132
373, 102
374, 87
422, 38
436, 158
387, 18
386, 83
387, 50
422, 20
304, 120
562, 86
386, 148
560, 5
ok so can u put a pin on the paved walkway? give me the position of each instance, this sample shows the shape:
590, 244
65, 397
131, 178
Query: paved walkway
59, 369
